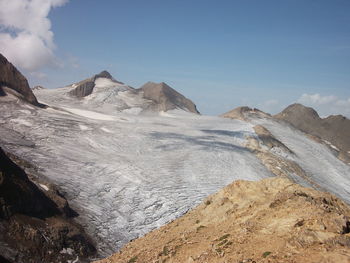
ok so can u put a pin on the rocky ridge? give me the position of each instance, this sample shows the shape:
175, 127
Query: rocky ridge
333, 130
300, 224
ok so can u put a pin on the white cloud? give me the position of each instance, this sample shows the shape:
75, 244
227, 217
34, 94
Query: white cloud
26, 38
326, 105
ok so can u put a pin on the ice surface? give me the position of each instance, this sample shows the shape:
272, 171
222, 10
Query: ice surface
127, 174
317, 160
90, 114
126, 178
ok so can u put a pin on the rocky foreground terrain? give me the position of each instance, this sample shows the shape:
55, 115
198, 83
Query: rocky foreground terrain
35, 219
272, 220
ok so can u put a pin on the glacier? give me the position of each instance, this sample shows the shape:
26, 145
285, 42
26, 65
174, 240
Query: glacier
126, 174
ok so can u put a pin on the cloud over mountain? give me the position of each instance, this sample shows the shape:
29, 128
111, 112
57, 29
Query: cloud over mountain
26, 38
326, 105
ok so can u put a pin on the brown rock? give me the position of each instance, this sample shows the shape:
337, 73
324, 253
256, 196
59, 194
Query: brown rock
243, 113
273, 220
11, 78
165, 98
334, 129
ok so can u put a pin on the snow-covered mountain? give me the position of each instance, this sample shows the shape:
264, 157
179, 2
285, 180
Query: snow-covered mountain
127, 173
105, 94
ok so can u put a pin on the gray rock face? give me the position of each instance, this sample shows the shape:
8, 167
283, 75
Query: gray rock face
11, 78
335, 128
85, 88
165, 98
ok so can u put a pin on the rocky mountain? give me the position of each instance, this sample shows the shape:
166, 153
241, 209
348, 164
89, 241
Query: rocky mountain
272, 220
105, 94
333, 130
243, 113
35, 223
165, 98
12, 81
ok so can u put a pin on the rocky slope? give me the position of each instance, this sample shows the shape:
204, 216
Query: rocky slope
333, 130
165, 98
273, 220
12, 81
35, 223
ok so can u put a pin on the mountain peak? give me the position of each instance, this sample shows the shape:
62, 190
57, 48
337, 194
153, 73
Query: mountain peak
300, 110
166, 98
104, 74
243, 113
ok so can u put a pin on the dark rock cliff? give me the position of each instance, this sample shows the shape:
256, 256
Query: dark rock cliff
35, 226
11, 78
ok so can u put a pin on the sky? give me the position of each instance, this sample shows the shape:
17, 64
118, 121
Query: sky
221, 54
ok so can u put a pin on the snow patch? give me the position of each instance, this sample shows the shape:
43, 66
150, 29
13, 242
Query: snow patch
133, 111
83, 127
90, 114
25, 111
68, 251
104, 83
44, 187
22, 122
331, 145
106, 130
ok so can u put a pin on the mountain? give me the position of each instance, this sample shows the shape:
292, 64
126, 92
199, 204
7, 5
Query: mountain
103, 93
243, 113
165, 98
12, 81
86, 87
34, 222
272, 220
333, 130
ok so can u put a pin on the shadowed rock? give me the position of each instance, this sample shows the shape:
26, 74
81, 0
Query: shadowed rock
35, 226
165, 98
11, 78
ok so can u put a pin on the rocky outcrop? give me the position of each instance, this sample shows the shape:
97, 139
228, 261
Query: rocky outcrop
165, 98
333, 130
273, 220
13, 80
84, 88
243, 113
35, 225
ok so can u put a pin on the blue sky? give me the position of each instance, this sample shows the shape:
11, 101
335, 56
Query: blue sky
221, 54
